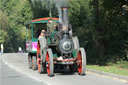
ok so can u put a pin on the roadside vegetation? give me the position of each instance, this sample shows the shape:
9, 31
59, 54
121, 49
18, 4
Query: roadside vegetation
119, 68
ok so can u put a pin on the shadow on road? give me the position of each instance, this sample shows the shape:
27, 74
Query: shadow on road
64, 72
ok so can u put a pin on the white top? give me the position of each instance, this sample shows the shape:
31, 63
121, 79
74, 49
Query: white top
2, 47
20, 49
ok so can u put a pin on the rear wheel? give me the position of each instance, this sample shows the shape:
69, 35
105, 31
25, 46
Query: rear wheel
49, 63
34, 63
30, 61
41, 65
81, 61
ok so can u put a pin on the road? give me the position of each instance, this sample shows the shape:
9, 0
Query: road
11, 77
16, 72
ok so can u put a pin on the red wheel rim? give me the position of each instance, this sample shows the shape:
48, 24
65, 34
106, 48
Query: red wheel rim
79, 62
47, 63
38, 59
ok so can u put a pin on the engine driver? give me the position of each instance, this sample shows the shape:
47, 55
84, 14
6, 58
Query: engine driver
51, 25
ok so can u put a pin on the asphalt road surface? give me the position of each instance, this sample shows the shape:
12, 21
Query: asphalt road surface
11, 77
14, 71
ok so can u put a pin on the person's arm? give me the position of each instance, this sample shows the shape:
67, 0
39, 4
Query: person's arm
55, 24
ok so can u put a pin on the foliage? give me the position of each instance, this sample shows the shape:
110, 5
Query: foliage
110, 69
41, 8
122, 64
81, 20
3, 26
18, 11
102, 28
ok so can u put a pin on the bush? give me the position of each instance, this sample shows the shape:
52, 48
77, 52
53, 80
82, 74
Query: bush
123, 64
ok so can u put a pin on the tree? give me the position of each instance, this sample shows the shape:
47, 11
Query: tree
41, 8
17, 12
3, 26
101, 27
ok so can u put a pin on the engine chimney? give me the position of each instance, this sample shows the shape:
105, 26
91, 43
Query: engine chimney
64, 11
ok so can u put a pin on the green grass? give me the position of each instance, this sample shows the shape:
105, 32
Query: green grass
115, 69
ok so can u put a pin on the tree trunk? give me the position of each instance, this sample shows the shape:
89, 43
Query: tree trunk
98, 37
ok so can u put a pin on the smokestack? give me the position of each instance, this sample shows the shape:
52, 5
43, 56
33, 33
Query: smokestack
64, 11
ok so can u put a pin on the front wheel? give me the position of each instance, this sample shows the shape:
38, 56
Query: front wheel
81, 61
49, 63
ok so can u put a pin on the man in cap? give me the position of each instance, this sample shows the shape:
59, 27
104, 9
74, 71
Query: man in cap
51, 25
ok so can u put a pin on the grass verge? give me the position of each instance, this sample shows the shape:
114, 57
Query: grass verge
114, 68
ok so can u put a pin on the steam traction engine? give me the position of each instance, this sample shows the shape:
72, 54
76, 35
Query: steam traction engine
59, 49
